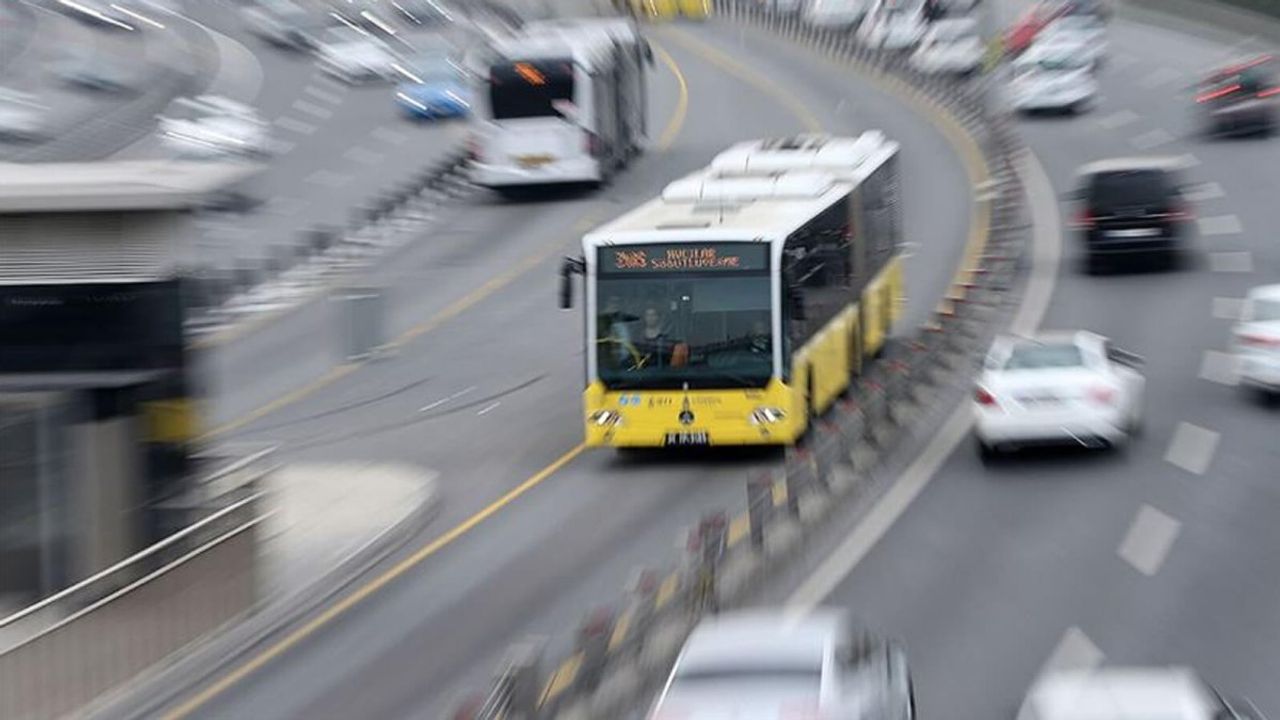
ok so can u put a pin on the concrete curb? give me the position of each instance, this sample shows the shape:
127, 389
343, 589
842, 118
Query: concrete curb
150, 694
837, 463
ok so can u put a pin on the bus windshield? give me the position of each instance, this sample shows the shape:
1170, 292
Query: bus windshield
697, 325
529, 89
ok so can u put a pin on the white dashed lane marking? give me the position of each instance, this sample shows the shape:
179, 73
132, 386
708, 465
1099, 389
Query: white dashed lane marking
1228, 308
1192, 448
1147, 543
1161, 76
442, 401
323, 95
488, 408
1234, 262
1075, 651
1219, 367
387, 135
1118, 120
1151, 139
328, 178
312, 109
363, 155
1220, 225
1205, 191
295, 125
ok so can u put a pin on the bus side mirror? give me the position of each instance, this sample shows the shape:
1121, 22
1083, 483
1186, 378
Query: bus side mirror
571, 267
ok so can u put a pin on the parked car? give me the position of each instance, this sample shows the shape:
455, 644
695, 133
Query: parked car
762, 664
1056, 388
894, 24
837, 15
1023, 33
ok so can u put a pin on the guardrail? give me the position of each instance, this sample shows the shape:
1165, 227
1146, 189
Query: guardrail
100, 633
621, 652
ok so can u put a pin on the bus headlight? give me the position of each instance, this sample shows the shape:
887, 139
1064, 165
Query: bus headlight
605, 418
767, 416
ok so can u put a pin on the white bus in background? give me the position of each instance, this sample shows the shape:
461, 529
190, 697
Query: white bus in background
556, 111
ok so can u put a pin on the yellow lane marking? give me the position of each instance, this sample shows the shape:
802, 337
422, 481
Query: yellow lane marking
738, 529
666, 591
621, 628
779, 493
198, 700
562, 678
751, 77
373, 586
669, 133
289, 398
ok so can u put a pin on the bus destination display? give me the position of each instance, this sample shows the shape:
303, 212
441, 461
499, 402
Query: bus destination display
685, 257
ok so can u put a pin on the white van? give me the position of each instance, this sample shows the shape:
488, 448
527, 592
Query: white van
552, 112
835, 14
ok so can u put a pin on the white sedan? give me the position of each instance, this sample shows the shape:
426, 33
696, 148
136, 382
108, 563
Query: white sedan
762, 664
1053, 76
1256, 340
1087, 32
894, 24
355, 55
215, 126
1057, 388
950, 46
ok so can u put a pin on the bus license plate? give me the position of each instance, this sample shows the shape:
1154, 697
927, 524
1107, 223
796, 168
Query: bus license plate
533, 161
687, 438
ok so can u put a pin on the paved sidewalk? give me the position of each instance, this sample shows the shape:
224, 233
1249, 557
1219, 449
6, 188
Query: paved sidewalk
326, 516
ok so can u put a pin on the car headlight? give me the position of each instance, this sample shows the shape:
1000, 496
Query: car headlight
767, 416
605, 418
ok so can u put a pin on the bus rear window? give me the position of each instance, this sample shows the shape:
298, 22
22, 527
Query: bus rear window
529, 89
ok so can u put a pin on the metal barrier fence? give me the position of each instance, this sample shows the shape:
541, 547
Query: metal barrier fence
622, 653
100, 633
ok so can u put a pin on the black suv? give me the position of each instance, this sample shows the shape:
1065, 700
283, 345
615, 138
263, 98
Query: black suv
1132, 208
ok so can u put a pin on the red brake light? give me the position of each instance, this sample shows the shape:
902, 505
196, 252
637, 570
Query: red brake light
984, 397
1102, 395
591, 143
1083, 219
1219, 93
1269, 92
1264, 341
1181, 213
473, 149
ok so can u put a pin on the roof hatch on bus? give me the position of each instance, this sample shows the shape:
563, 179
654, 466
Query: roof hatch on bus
801, 152
705, 188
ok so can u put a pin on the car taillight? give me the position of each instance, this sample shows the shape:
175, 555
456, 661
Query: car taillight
1180, 213
1269, 92
1083, 219
473, 150
1216, 94
1102, 395
983, 397
591, 144
1262, 341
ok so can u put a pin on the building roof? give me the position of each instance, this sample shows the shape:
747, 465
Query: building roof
142, 185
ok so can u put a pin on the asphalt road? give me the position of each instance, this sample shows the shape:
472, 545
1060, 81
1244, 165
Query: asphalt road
334, 145
485, 389
1163, 553
37, 38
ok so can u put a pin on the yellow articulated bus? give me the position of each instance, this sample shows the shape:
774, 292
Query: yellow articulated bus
671, 9
740, 304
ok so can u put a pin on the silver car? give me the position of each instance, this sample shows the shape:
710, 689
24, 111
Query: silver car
758, 665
